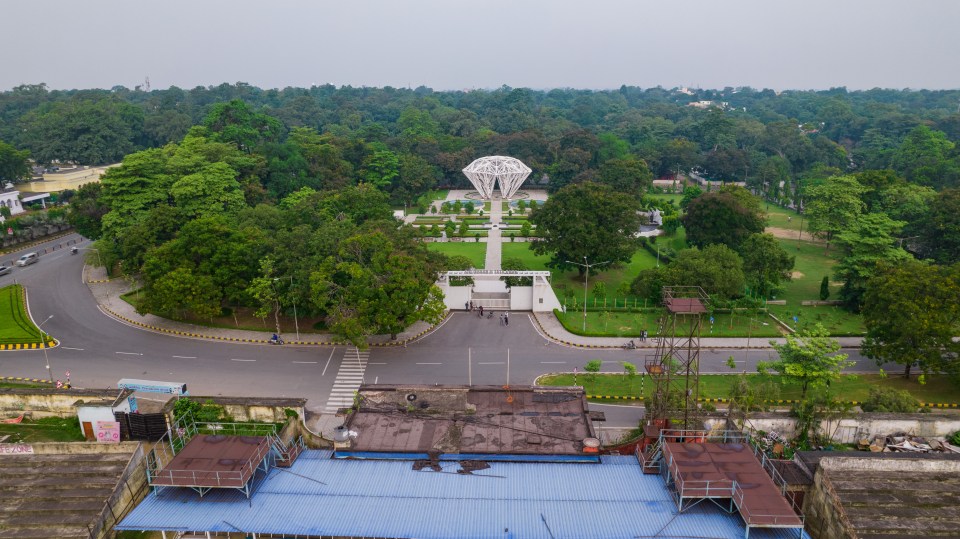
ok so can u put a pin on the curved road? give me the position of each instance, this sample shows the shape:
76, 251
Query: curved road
98, 350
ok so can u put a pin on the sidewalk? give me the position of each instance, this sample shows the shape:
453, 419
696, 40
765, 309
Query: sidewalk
107, 293
550, 326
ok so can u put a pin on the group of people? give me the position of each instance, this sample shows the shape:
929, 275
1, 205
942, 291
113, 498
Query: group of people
504, 316
643, 335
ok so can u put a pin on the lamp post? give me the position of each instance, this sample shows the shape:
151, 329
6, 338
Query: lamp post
586, 278
43, 345
296, 324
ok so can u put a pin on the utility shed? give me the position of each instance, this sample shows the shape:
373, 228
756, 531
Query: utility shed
883, 495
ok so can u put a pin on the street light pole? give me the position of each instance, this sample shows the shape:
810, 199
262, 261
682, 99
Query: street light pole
43, 345
586, 278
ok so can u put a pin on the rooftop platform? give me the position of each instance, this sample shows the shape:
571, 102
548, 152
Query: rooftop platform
519, 423
212, 461
728, 471
321, 496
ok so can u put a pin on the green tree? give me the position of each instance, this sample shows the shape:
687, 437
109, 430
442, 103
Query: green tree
525, 229
516, 264
833, 206
464, 228
86, 211
14, 164
236, 122
560, 220
866, 243
381, 167
940, 231
808, 358
925, 157
626, 175
180, 292
716, 268
825, 288
726, 217
890, 400
593, 367
765, 263
911, 313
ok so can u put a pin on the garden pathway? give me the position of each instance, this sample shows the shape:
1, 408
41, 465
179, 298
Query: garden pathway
494, 237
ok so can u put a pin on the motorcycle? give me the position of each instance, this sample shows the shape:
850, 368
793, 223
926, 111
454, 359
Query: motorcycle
630, 345
73, 250
275, 340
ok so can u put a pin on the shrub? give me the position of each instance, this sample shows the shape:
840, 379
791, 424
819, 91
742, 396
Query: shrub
886, 399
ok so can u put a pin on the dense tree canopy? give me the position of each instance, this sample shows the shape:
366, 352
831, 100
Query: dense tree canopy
912, 312
726, 217
586, 221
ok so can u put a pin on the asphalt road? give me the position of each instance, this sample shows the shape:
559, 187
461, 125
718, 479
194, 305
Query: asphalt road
99, 350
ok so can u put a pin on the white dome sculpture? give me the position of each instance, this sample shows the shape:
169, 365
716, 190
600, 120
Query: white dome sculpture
487, 171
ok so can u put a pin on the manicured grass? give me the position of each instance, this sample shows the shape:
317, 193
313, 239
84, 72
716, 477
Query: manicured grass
48, 429
812, 265
629, 324
836, 319
784, 218
937, 389
475, 251
676, 241
18, 385
15, 325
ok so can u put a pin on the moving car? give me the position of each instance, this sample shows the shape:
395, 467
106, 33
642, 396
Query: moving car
5, 269
28, 259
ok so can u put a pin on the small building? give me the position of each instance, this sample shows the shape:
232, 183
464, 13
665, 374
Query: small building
90, 413
10, 198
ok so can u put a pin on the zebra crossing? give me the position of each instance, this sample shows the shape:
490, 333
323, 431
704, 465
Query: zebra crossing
348, 380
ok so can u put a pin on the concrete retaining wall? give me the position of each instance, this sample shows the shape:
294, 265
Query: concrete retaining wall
863, 425
42, 402
243, 409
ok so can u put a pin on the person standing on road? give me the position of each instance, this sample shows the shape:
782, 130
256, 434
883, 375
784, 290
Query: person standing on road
466, 305
481, 311
506, 318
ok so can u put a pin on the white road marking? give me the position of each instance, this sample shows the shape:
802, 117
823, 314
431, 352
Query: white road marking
129, 353
68, 348
554, 362
185, 357
306, 362
328, 361
376, 363
492, 363
429, 363
231, 359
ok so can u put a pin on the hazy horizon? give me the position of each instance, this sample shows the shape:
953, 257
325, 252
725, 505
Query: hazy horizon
459, 45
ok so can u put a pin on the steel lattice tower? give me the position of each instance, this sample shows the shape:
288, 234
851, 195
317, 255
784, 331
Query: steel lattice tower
676, 366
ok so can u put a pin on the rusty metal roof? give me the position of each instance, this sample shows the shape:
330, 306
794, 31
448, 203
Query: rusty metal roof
459, 419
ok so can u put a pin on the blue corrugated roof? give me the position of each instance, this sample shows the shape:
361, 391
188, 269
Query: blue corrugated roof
324, 496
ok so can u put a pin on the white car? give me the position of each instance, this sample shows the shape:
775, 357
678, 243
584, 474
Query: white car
28, 259
5, 269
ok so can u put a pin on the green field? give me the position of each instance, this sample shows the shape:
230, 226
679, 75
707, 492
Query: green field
937, 389
475, 251
629, 324
784, 218
15, 325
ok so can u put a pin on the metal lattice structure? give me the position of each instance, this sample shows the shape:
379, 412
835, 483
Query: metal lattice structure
676, 366
486, 172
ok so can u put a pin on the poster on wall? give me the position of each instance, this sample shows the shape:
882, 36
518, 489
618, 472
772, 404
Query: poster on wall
107, 432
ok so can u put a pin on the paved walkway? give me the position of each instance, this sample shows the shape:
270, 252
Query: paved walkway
551, 327
495, 236
107, 294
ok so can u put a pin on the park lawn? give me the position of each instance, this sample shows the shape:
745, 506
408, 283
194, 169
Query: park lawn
47, 429
432, 195
629, 324
676, 241
809, 269
475, 251
937, 389
572, 280
669, 197
15, 326
837, 320
778, 217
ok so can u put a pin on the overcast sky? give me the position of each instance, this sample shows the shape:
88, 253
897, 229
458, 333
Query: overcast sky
454, 44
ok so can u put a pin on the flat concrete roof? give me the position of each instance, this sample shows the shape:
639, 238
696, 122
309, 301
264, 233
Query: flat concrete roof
522, 420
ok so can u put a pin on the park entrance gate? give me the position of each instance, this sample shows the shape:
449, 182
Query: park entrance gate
498, 290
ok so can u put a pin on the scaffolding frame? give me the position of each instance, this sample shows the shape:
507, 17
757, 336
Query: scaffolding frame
675, 367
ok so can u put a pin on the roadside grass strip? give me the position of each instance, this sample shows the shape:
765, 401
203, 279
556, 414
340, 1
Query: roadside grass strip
936, 392
17, 331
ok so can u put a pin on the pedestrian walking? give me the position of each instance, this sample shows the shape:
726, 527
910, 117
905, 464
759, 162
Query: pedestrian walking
466, 305
501, 319
481, 311
506, 318
471, 305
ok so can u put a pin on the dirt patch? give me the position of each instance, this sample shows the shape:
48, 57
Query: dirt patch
788, 234
796, 275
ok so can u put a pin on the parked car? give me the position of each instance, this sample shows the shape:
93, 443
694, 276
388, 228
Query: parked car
28, 259
5, 269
